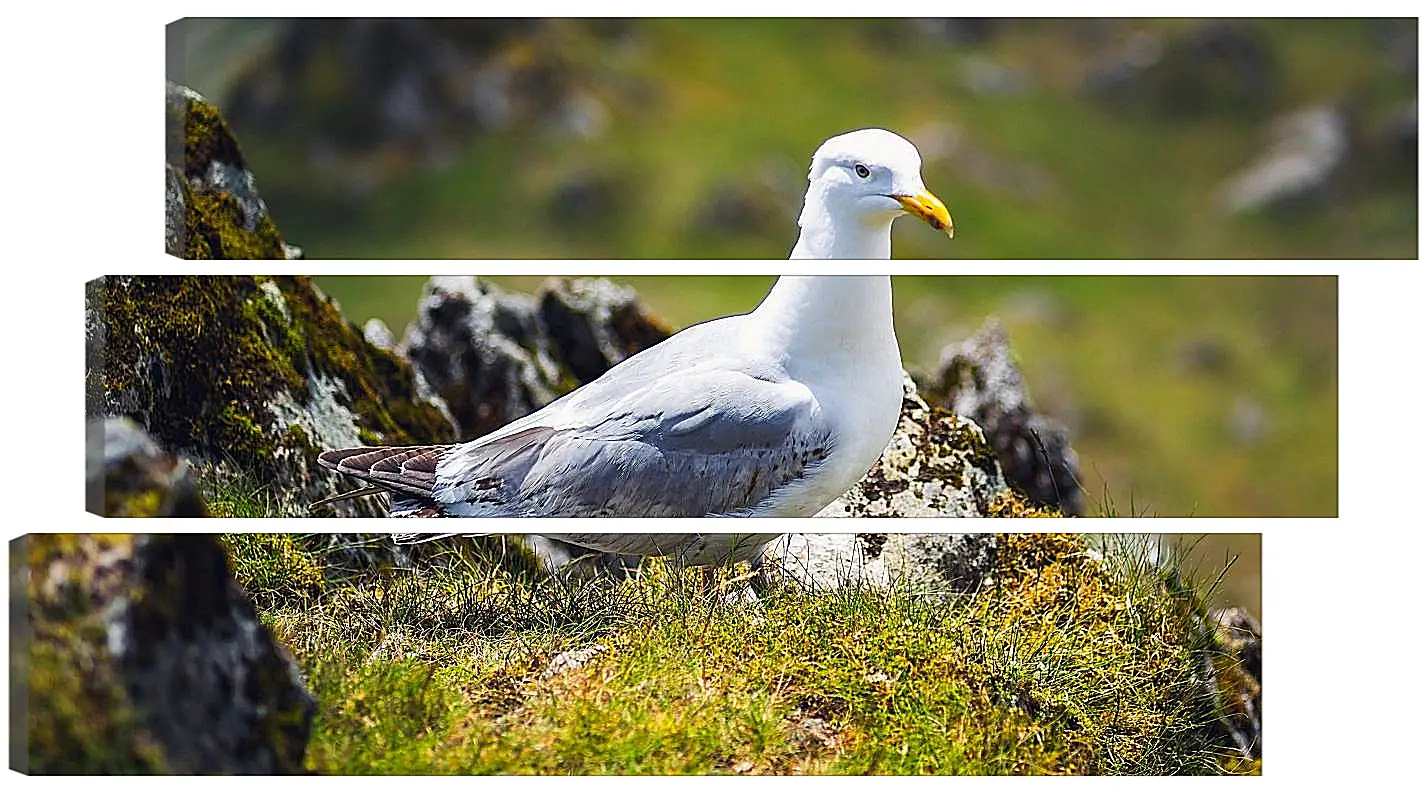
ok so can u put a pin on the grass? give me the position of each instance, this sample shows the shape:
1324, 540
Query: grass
1071, 661
233, 493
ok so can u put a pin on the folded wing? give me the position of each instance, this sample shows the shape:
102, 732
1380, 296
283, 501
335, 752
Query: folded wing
709, 443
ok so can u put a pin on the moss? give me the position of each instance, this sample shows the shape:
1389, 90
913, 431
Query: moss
1134, 629
381, 386
274, 567
214, 229
215, 225
245, 437
146, 503
207, 138
80, 719
1012, 504
199, 361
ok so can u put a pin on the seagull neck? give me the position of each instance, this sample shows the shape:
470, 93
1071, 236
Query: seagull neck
828, 315
843, 235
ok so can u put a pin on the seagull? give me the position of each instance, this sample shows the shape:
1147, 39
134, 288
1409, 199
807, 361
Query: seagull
776, 412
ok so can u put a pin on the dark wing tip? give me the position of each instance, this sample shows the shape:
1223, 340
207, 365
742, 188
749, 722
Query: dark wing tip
400, 470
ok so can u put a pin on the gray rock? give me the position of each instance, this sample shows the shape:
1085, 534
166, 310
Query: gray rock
979, 379
754, 201
586, 199
937, 464
175, 210
1386, 148
978, 164
494, 356
1248, 422
417, 89
957, 31
987, 77
178, 673
480, 349
379, 334
128, 475
920, 562
1299, 168
1205, 354
594, 324
1117, 77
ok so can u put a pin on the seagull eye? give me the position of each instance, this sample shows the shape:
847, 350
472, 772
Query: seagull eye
861, 170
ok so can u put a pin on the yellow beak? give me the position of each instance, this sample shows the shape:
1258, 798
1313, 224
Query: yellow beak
929, 209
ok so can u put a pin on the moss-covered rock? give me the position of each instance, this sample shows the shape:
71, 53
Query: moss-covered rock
251, 377
978, 378
212, 206
141, 656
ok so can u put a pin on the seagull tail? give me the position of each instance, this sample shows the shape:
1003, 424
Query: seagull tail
404, 539
364, 491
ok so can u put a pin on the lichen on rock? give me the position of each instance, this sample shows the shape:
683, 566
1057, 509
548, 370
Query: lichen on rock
494, 356
928, 562
936, 465
979, 378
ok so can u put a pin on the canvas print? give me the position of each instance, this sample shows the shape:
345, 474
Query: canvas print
816, 654
693, 138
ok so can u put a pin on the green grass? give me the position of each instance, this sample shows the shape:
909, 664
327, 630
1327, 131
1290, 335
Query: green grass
228, 493
1065, 664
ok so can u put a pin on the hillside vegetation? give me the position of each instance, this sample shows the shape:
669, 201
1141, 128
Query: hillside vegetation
1068, 661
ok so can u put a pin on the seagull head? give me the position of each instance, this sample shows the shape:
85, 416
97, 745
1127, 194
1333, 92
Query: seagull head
859, 183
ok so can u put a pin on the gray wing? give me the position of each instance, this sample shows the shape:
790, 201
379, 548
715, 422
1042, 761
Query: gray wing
701, 442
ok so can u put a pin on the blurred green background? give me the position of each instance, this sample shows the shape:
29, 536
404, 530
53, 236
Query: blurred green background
691, 138
1212, 396
1235, 559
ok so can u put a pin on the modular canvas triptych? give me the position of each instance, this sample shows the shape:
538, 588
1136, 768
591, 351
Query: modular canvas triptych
713, 396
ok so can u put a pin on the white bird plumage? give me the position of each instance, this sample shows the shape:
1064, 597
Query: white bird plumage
772, 413
860, 182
